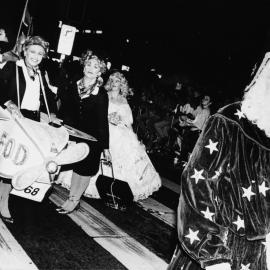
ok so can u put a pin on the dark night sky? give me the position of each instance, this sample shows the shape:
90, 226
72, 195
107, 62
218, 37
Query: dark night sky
213, 41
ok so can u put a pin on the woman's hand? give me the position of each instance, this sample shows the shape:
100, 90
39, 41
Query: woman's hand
114, 118
107, 155
13, 109
53, 116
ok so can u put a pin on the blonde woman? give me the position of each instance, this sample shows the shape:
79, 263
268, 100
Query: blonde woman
32, 97
88, 113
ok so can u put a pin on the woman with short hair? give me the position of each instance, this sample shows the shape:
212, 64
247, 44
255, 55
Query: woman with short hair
24, 84
128, 156
88, 112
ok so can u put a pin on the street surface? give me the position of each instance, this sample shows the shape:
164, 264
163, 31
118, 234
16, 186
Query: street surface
96, 236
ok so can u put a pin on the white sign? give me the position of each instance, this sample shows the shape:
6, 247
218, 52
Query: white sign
35, 192
125, 68
66, 39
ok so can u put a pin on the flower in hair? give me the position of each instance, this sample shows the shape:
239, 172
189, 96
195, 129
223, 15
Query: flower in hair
88, 55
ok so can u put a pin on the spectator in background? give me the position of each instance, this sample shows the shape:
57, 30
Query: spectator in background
194, 122
163, 126
224, 206
146, 119
201, 114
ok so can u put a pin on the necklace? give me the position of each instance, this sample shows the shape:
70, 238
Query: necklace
32, 72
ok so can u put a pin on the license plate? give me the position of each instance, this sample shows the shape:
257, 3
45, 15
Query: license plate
35, 192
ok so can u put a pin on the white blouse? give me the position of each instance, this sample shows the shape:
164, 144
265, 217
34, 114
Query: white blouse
31, 98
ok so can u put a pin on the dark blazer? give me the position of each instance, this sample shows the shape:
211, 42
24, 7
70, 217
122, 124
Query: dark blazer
89, 115
9, 87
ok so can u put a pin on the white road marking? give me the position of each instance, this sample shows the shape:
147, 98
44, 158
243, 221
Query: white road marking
171, 185
12, 255
122, 246
159, 211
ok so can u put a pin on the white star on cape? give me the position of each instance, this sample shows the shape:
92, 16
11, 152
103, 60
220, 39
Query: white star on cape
245, 267
240, 223
207, 214
197, 175
193, 236
248, 193
240, 114
212, 146
263, 188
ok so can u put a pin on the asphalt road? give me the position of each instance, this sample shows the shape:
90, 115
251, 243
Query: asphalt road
55, 241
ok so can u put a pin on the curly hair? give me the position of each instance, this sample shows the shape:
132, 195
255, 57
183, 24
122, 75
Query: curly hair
36, 40
125, 90
88, 55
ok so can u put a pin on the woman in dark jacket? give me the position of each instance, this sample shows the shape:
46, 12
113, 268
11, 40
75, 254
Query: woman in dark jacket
23, 83
88, 103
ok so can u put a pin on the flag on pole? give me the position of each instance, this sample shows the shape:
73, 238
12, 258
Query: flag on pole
26, 28
30, 29
26, 19
25, 22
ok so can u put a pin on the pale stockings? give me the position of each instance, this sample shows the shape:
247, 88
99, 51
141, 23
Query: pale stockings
78, 186
5, 189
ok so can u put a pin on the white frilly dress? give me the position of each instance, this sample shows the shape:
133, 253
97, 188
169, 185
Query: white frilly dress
129, 158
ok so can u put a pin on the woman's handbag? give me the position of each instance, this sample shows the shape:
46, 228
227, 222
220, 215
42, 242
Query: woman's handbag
114, 192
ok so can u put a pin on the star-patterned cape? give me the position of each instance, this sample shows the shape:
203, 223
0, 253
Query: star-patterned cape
225, 192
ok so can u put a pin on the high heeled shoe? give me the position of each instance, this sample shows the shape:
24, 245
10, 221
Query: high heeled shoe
7, 219
76, 204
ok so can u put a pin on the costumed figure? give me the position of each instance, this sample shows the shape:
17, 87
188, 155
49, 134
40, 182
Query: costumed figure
224, 206
24, 84
129, 158
88, 113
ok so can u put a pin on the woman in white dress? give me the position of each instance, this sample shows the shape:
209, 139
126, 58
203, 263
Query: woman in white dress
129, 158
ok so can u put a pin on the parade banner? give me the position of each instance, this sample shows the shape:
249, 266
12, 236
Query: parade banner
66, 39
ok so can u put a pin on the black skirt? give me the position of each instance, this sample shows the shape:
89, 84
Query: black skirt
90, 165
